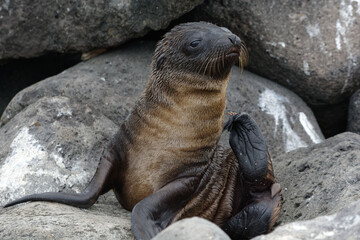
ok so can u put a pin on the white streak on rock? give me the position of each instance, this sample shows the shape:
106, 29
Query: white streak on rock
282, 44
64, 112
358, 6
306, 68
313, 30
5, 5
274, 104
345, 21
24, 148
309, 128
274, 44
26, 154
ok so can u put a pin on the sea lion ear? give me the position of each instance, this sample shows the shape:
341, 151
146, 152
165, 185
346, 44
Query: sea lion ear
160, 61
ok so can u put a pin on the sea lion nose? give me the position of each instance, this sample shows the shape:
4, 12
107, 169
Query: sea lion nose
234, 39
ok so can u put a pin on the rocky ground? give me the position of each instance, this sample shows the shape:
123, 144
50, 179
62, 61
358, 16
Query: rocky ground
53, 132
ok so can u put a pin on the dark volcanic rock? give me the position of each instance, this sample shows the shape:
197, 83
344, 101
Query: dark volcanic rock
343, 225
321, 179
32, 28
354, 113
312, 47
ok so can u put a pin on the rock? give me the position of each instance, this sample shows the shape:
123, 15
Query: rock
26, 30
109, 83
104, 220
192, 229
54, 144
354, 113
321, 179
284, 119
343, 225
311, 47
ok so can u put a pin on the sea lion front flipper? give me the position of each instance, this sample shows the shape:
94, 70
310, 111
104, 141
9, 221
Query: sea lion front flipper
248, 144
256, 218
155, 212
263, 203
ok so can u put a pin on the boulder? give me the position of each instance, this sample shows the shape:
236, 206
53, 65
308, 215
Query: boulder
321, 179
285, 120
192, 228
353, 121
343, 225
311, 47
26, 30
104, 220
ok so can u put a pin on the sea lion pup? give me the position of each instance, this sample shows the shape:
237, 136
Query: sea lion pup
165, 164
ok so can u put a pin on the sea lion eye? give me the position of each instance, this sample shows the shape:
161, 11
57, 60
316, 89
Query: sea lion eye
195, 43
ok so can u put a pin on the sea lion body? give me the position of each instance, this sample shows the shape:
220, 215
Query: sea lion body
165, 163
177, 136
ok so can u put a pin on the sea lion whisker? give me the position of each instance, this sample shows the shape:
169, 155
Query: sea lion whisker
206, 66
218, 58
201, 67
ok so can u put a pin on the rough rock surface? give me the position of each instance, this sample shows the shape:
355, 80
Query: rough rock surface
354, 113
284, 119
321, 179
26, 30
105, 220
304, 45
192, 228
343, 225
53, 144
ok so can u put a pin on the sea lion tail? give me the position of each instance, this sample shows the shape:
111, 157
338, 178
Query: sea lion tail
100, 184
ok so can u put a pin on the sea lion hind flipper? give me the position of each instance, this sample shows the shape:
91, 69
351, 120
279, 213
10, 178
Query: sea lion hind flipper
99, 185
248, 144
156, 212
255, 219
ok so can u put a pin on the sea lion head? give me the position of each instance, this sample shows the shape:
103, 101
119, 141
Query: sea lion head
199, 48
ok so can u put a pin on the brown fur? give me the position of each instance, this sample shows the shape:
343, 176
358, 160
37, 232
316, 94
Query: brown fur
174, 131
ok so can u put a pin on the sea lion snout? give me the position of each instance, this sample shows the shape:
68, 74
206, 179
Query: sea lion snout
235, 40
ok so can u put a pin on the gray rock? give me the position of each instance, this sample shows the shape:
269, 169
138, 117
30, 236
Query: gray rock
192, 229
105, 220
32, 28
109, 83
321, 179
343, 225
51, 145
353, 124
285, 120
311, 47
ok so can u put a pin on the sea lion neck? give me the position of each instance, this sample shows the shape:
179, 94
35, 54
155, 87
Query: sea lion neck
190, 116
